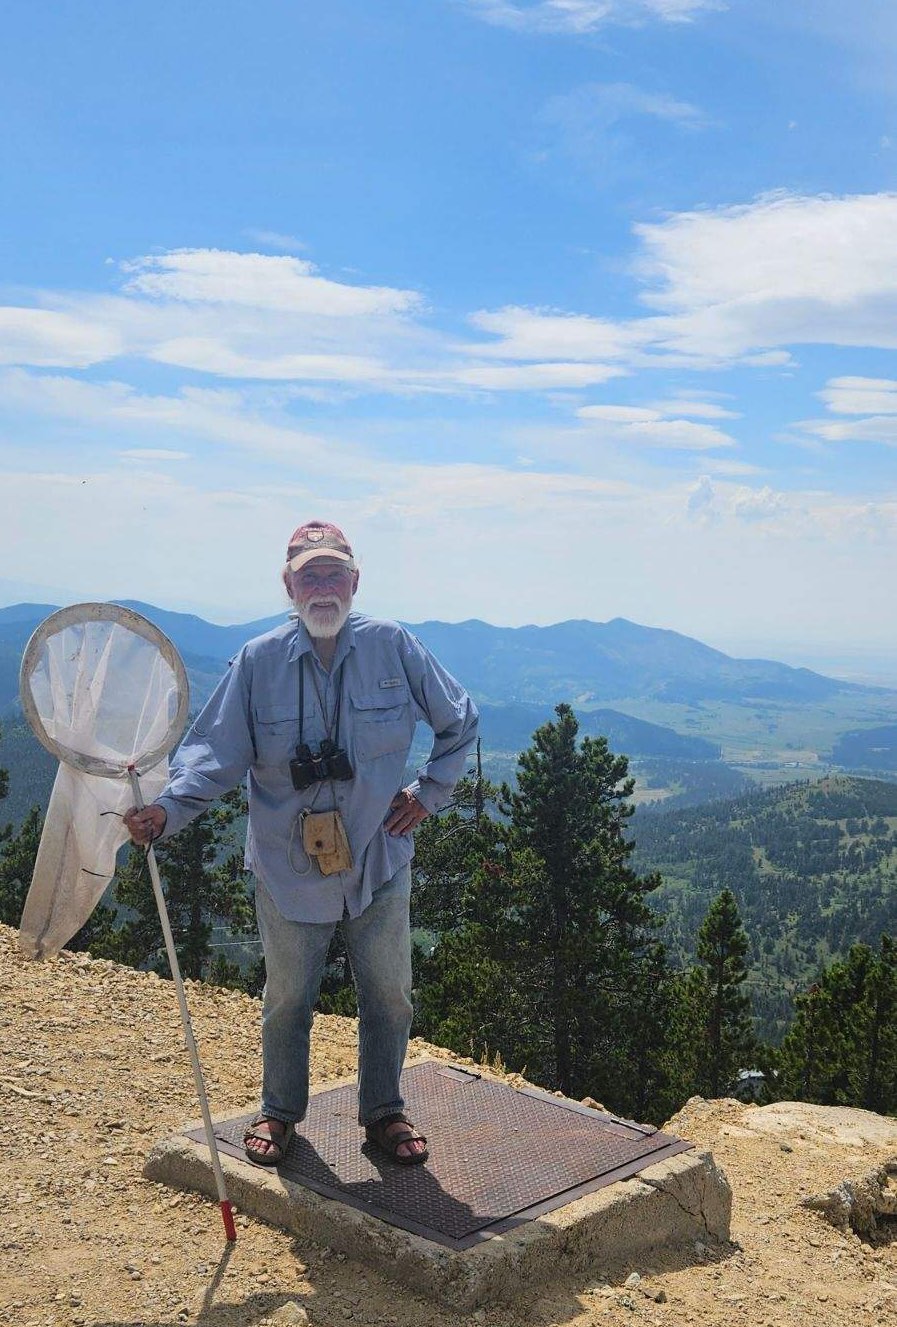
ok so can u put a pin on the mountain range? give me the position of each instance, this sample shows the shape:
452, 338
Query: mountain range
678, 708
586, 663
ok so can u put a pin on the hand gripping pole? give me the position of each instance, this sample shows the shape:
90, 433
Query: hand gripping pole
223, 1201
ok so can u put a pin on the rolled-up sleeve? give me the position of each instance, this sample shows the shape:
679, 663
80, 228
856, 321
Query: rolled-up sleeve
442, 703
216, 753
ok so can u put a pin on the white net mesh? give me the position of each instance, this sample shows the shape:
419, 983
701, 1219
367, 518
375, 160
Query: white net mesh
101, 691
105, 691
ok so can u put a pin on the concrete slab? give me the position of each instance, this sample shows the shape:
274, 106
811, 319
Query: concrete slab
676, 1198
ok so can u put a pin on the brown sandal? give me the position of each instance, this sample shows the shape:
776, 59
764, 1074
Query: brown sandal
278, 1146
379, 1134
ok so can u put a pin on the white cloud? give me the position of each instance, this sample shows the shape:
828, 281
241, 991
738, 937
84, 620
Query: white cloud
861, 396
873, 402
736, 284
529, 377
759, 555
589, 111
725, 465
153, 454
790, 517
783, 270
259, 281
48, 339
214, 356
759, 504
695, 409
545, 334
644, 427
621, 414
702, 499
275, 239
874, 428
222, 418
583, 16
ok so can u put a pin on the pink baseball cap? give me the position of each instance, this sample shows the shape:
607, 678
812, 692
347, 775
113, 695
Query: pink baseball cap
318, 539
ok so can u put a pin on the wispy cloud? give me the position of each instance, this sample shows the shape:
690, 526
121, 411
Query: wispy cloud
54, 340
870, 405
580, 17
694, 409
861, 396
546, 334
259, 281
275, 239
598, 126
721, 286
642, 426
153, 454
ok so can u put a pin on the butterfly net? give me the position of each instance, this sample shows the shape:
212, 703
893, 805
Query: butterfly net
105, 692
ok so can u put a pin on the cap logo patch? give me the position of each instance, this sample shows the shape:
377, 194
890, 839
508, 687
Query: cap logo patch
314, 536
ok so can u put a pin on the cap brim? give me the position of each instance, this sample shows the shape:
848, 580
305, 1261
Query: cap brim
299, 559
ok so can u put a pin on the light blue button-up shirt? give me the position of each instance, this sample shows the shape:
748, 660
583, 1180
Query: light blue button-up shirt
250, 725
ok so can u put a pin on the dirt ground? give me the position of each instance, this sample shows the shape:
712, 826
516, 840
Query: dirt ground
93, 1072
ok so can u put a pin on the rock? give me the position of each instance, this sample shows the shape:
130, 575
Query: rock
823, 1124
632, 1280
859, 1205
290, 1314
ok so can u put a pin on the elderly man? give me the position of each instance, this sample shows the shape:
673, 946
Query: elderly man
320, 713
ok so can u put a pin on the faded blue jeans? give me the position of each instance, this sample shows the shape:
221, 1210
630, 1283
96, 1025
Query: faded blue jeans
379, 947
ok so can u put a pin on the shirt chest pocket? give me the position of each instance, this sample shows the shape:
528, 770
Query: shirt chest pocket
276, 735
382, 723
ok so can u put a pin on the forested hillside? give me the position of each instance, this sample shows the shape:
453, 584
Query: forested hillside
813, 867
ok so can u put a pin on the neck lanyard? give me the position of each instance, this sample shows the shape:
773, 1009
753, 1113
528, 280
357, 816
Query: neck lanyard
328, 728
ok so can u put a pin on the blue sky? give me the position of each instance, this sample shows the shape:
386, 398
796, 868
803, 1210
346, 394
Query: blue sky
562, 308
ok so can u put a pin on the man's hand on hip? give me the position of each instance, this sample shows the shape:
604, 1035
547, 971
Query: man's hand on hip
145, 824
406, 813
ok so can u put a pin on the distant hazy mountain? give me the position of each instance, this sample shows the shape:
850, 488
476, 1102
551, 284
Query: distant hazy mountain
593, 662
586, 663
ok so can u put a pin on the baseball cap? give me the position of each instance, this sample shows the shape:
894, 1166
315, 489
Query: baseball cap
318, 539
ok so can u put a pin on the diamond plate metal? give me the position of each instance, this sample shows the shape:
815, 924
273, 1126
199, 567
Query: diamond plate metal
498, 1155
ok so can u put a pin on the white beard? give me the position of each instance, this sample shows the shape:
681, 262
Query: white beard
324, 618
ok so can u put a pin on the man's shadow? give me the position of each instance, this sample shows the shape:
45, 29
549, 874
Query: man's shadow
406, 1196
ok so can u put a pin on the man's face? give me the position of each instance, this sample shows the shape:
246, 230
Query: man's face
322, 591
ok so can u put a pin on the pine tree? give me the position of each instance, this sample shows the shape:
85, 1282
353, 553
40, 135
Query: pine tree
580, 921
713, 1027
202, 886
841, 1049
556, 940
880, 1088
17, 855
447, 847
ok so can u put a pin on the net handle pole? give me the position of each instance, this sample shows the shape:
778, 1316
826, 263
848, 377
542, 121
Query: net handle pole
223, 1201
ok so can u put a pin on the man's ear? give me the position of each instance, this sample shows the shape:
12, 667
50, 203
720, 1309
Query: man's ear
355, 575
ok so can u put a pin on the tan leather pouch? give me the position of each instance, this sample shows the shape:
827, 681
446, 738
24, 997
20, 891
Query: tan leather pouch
324, 837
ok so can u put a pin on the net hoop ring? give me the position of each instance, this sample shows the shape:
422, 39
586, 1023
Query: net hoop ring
79, 615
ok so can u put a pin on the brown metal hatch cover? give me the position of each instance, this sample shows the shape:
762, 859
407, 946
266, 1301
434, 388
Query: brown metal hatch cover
498, 1155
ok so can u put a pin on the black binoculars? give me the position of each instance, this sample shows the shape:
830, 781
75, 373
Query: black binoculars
328, 762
